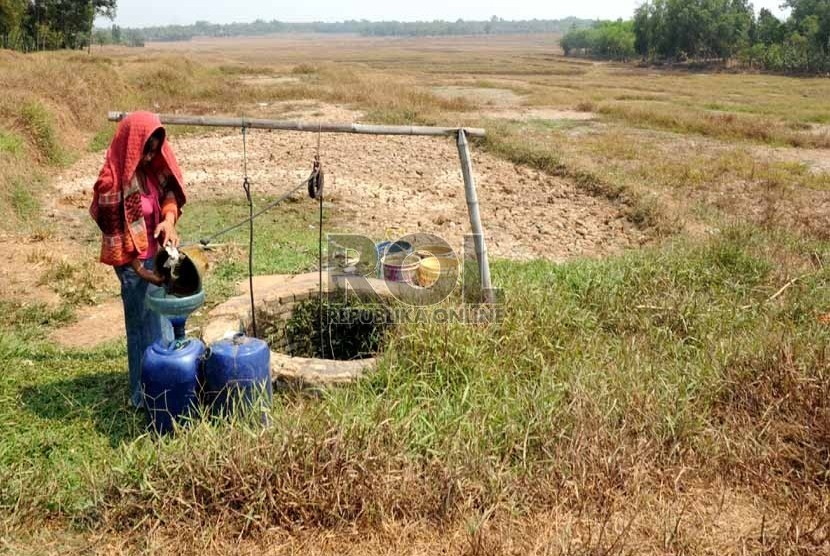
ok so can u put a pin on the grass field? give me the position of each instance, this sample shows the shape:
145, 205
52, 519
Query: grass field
669, 398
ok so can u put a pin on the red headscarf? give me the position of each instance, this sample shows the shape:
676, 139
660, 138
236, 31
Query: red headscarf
116, 202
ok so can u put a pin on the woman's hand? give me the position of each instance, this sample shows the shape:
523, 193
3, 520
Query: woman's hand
167, 228
152, 277
147, 275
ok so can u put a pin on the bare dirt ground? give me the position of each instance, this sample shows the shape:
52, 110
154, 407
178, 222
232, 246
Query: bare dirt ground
816, 160
407, 184
505, 104
93, 326
20, 275
29, 277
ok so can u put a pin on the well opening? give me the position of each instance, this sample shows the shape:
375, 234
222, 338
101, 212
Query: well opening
352, 329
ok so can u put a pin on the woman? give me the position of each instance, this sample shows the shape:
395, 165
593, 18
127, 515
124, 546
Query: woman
136, 202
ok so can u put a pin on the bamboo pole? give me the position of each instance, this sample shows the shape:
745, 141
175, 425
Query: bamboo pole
254, 123
475, 216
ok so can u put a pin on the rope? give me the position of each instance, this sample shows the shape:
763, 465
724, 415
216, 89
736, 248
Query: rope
208, 240
314, 182
315, 191
246, 185
320, 276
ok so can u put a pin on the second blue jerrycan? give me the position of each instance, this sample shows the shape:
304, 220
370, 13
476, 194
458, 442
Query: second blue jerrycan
237, 375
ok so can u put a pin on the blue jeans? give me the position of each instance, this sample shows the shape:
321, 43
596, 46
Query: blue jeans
143, 325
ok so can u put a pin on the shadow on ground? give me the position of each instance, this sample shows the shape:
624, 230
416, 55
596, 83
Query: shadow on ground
99, 398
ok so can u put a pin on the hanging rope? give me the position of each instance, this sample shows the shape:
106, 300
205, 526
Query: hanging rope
315, 191
210, 239
314, 183
246, 186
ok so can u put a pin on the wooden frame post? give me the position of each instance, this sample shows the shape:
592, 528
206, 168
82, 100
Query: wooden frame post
475, 216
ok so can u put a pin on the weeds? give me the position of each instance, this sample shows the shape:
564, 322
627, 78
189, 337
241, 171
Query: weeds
10, 144
459, 420
601, 375
585, 106
720, 125
304, 69
41, 129
23, 201
74, 282
102, 139
349, 331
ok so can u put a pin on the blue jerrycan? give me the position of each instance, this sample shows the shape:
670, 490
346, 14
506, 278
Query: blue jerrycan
238, 375
170, 376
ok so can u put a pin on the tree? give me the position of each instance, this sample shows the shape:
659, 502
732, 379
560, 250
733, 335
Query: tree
692, 29
12, 13
812, 17
51, 24
769, 29
642, 27
102, 37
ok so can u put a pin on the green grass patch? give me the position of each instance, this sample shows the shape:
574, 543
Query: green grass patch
26, 206
285, 240
23, 327
10, 144
40, 126
541, 124
102, 139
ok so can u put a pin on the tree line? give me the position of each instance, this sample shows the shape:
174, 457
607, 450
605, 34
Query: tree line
28, 25
714, 30
52, 24
493, 26
117, 35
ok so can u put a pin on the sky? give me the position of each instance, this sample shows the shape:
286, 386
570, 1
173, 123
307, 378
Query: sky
142, 13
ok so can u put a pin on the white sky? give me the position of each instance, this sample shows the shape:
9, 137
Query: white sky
141, 13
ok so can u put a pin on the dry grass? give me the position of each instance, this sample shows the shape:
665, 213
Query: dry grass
728, 126
778, 396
